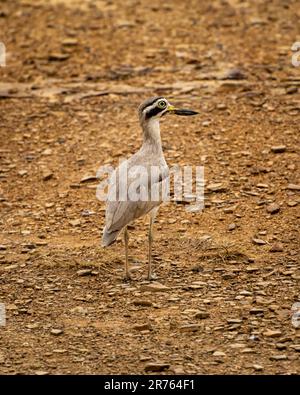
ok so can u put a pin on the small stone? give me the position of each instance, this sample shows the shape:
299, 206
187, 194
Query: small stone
258, 368
144, 303
190, 328
75, 222
291, 89
292, 203
228, 276
142, 327
278, 357
156, 367
273, 208
281, 346
41, 372
234, 74
178, 370
49, 205
231, 226
278, 149
246, 293
84, 272
219, 354
56, 332
88, 178
216, 187
155, 287
293, 187
252, 269
201, 315
32, 326
47, 174
256, 311
259, 241
68, 42
295, 347
277, 247
272, 333
22, 173
47, 152
58, 57
247, 351
261, 185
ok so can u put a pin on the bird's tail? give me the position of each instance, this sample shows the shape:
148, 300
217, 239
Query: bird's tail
109, 237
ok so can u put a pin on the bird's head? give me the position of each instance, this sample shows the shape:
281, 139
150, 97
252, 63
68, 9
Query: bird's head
156, 107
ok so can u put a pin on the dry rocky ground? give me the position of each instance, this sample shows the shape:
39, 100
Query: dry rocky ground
229, 275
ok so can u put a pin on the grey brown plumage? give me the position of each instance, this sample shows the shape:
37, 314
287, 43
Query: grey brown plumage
120, 213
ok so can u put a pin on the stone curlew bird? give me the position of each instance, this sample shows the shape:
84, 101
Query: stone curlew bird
131, 185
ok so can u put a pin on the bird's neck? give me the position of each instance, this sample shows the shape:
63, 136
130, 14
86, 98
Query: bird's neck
151, 134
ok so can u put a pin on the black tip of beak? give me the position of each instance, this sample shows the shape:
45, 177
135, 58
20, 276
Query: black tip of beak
185, 112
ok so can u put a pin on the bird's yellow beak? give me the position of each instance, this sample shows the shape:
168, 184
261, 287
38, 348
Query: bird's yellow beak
181, 111
171, 108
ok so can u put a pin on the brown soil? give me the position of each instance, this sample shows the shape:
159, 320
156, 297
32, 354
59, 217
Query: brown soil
76, 72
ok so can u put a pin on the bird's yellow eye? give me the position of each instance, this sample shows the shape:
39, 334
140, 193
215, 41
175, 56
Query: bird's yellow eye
162, 104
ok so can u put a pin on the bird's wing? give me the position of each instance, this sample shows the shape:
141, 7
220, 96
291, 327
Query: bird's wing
121, 209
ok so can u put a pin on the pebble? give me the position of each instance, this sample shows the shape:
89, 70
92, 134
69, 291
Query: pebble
47, 175
88, 178
56, 332
84, 272
144, 303
234, 74
231, 226
142, 327
278, 149
75, 222
277, 247
259, 241
201, 315
296, 347
219, 354
257, 311
258, 368
216, 187
32, 326
273, 208
190, 328
247, 351
281, 346
278, 357
68, 42
41, 372
293, 187
155, 287
47, 152
292, 203
272, 333
156, 367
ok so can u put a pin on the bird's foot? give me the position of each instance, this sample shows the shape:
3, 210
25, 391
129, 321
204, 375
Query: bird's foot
127, 277
152, 277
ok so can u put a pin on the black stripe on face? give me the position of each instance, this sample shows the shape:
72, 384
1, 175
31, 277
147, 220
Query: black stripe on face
151, 102
153, 112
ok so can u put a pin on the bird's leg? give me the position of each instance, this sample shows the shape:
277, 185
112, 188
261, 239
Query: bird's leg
126, 238
150, 238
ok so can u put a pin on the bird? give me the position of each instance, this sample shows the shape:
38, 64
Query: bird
122, 211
